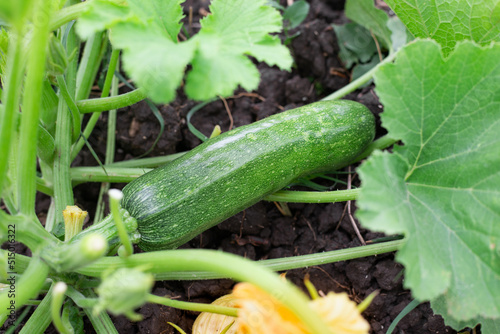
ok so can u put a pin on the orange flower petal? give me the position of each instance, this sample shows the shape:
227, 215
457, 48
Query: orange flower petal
261, 313
340, 314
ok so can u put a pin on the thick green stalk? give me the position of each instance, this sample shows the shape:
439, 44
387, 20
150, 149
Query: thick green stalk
152, 162
68, 14
313, 196
239, 269
109, 103
31, 106
10, 98
26, 287
28, 231
113, 63
58, 295
70, 103
89, 64
63, 189
115, 196
379, 144
110, 79
197, 307
110, 83
40, 319
162, 270
110, 174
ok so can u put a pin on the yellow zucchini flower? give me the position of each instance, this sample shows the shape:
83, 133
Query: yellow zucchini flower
261, 313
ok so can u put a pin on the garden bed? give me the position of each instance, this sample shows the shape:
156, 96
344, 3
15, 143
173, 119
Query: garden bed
262, 231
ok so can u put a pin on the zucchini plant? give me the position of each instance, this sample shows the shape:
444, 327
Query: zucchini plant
440, 96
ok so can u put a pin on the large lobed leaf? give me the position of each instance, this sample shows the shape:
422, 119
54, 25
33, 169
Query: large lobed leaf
450, 21
147, 32
442, 187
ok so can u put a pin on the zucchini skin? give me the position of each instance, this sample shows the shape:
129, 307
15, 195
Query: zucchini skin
226, 174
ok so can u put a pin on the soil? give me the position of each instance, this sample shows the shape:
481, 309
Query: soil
262, 231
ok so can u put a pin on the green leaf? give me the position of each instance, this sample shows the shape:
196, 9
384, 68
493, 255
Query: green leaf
15, 11
216, 72
244, 28
101, 15
165, 14
364, 13
487, 325
355, 42
450, 21
296, 13
156, 63
442, 188
241, 20
400, 36
4, 46
147, 32
361, 69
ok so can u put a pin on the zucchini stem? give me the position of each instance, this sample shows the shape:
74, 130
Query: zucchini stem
197, 307
115, 197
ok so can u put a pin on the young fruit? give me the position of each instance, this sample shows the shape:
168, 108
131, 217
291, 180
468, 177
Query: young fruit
228, 173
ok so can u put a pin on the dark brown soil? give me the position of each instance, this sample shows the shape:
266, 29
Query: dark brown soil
262, 232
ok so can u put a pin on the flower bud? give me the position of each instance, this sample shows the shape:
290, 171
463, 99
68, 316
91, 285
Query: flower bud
123, 291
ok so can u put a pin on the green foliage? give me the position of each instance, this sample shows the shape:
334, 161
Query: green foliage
123, 290
356, 44
364, 13
449, 22
441, 188
147, 32
296, 14
15, 11
358, 47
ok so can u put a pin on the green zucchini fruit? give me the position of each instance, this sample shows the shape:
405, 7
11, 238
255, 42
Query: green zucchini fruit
226, 174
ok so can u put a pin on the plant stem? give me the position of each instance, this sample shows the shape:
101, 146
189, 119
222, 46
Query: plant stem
113, 62
31, 106
63, 189
162, 271
379, 144
70, 103
28, 231
102, 323
111, 81
313, 196
115, 196
111, 174
351, 87
109, 103
152, 162
10, 97
196, 307
40, 319
58, 294
89, 64
68, 14
28, 286
79, 299
110, 74
237, 268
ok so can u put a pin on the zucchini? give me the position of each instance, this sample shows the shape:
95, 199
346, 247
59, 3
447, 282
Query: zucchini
226, 174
